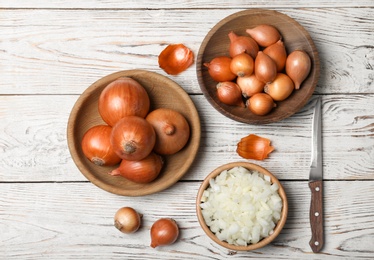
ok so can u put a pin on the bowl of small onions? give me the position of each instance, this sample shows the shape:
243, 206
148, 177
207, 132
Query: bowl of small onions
241, 206
258, 66
134, 132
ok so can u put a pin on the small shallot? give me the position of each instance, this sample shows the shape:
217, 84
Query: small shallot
242, 65
230, 93
265, 68
277, 52
298, 65
254, 147
175, 58
164, 231
264, 34
219, 69
127, 220
250, 85
281, 88
240, 44
260, 104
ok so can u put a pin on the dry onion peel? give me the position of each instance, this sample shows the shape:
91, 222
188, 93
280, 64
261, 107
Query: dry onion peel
254, 147
175, 58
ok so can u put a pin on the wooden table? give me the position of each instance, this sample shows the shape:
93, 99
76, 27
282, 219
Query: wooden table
51, 51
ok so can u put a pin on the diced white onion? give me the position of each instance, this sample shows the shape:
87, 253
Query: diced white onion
241, 206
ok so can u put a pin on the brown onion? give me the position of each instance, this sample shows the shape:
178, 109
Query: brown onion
127, 220
133, 138
298, 66
142, 171
172, 130
219, 69
264, 34
175, 58
242, 65
240, 44
164, 231
229, 93
250, 85
281, 88
265, 68
260, 104
97, 148
277, 52
123, 97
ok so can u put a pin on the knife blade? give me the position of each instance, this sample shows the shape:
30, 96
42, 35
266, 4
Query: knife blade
316, 181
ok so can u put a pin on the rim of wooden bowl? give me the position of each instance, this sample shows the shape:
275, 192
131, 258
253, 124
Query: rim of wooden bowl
265, 241
216, 43
161, 91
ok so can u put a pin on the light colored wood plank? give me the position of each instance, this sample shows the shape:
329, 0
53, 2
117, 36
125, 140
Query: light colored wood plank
75, 220
64, 51
114, 4
34, 148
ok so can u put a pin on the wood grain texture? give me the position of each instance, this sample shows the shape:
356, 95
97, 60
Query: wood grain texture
75, 220
74, 48
34, 147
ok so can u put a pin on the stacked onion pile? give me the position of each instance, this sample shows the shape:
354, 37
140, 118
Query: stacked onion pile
133, 136
259, 72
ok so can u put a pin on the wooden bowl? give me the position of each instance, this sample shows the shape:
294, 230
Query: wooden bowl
264, 241
216, 43
163, 92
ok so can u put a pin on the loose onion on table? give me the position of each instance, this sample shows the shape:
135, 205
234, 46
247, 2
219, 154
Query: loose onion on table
164, 231
172, 130
97, 148
241, 206
175, 58
123, 97
127, 220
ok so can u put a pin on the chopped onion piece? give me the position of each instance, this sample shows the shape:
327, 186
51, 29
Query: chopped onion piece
241, 206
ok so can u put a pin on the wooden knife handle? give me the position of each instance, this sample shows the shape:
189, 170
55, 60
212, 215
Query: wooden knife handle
316, 215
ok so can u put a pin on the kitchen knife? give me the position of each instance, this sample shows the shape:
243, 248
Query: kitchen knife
316, 181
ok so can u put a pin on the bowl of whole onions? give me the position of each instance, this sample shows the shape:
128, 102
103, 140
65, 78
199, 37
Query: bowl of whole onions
241, 206
134, 132
258, 66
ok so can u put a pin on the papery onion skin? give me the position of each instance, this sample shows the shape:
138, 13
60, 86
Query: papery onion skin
260, 104
172, 130
142, 171
240, 44
123, 97
254, 147
127, 220
298, 66
219, 69
264, 34
265, 68
250, 85
97, 148
229, 93
242, 65
175, 58
281, 87
164, 231
133, 138
278, 53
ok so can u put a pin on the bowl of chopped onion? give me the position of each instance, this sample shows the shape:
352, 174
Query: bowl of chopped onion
241, 206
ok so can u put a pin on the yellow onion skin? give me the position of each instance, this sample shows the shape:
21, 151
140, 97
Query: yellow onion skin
229, 93
264, 34
281, 87
175, 58
265, 68
260, 104
164, 231
142, 171
240, 44
278, 53
123, 97
133, 138
298, 66
172, 130
254, 147
250, 85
